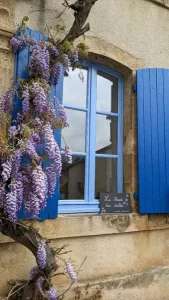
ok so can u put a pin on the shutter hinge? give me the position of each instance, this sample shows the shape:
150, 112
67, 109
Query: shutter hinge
134, 87
135, 195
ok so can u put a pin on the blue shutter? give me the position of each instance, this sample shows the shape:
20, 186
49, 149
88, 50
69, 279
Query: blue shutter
153, 140
21, 71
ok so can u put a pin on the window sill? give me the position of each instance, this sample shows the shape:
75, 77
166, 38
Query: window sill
78, 206
82, 225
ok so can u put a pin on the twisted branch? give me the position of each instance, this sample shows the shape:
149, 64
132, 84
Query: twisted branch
30, 238
81, 10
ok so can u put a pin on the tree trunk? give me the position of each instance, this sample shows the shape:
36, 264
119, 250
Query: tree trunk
30, 238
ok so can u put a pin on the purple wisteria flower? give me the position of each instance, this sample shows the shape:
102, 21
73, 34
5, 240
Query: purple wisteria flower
27, 184
55, 74
38, 123
53, 51
11, 206
14, 198
67, 63
39, 62
13, 131
39, 186
6, 170
52, 148
16, 160
36, 139
72, 274
52, 294
41, 255
39, 283
26, 101
6, 101
62, 114
11, 203
19, 190
68, 154
35, 189
51, 116
30, 40
2, 195
30, 151
33, 272
17, 43
53, 153
40, 98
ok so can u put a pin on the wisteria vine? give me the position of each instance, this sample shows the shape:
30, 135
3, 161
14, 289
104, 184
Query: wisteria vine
29, 139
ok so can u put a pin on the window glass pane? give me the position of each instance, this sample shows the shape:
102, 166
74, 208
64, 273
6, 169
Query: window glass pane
75, 87
74, 135
72, 180
107, 92
106, 176
106, 134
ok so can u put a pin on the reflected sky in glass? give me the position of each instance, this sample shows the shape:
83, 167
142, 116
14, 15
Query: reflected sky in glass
74, 89
106, 134
107, 92
74, 135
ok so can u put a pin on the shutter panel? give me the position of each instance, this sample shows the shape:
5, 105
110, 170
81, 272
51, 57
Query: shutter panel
21, 71
153, 140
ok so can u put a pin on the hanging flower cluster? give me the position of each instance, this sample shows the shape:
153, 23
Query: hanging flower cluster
70, 271
30, 140
41, 255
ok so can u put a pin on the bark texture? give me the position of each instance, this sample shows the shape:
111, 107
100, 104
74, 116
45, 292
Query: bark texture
30, 238
81, 10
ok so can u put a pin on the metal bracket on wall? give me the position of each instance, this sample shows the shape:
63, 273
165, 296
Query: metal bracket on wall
135, 195
134, 87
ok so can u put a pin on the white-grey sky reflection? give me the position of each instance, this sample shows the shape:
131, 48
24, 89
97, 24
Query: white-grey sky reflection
74, 94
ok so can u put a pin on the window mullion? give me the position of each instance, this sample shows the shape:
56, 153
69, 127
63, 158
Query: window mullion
92, 131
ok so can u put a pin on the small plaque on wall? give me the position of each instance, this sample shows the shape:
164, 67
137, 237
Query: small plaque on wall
114, 203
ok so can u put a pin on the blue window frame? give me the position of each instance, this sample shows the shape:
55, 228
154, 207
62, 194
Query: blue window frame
95, 164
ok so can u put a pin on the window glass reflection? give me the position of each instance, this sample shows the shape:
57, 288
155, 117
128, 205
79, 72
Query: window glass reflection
72, 180
106, 134
107, 92
75, 87
106, 176
74, 135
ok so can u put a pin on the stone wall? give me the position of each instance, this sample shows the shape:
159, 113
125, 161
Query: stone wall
124, 254
127, 255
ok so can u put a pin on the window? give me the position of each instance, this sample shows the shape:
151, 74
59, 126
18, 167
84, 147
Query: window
94, 106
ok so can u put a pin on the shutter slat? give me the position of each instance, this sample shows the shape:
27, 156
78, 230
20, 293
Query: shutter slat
148, 142
141, 160
153, 140
166, 122
161, 136
155, 143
